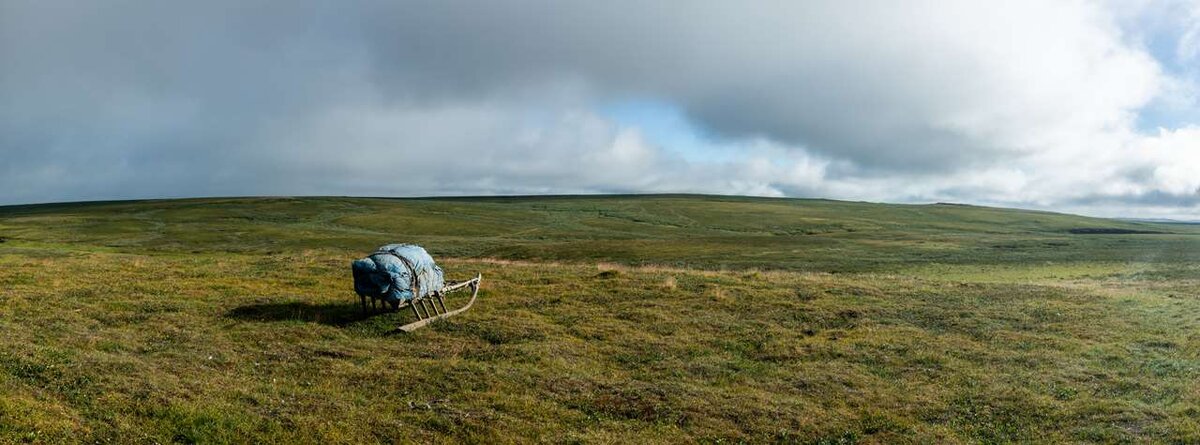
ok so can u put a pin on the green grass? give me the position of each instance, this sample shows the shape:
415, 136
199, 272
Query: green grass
602, 320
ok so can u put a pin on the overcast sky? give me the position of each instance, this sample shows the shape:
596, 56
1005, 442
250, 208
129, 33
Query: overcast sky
1079, 106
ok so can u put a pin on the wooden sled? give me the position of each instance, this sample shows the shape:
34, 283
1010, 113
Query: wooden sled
429, 304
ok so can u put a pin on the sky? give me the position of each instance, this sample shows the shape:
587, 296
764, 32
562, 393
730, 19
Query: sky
1088, 107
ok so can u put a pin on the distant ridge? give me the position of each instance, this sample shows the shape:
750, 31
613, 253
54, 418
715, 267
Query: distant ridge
1160, 220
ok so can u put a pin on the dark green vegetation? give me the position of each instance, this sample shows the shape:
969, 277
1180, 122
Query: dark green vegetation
603, 319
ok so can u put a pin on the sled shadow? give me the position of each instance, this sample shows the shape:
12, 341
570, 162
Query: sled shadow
332, 314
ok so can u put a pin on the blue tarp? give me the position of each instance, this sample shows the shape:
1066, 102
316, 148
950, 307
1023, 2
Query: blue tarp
385, 275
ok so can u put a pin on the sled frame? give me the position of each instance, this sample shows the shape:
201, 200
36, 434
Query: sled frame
430, 304
427, 308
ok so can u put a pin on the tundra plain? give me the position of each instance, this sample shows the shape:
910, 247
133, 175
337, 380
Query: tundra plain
605, 319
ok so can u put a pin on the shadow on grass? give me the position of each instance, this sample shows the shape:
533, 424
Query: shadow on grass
333, 314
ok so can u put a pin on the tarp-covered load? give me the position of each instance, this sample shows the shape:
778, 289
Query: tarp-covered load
397, 273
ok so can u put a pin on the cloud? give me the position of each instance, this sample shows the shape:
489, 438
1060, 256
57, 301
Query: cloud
1188, 47
915, 86
1017, 103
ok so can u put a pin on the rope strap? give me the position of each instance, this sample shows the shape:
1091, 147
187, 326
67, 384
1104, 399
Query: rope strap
414, 283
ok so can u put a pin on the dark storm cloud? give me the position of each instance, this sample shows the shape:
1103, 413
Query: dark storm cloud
786, 72
149, 99
922, 85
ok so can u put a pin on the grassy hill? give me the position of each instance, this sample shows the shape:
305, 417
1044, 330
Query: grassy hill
687, 231
610, 319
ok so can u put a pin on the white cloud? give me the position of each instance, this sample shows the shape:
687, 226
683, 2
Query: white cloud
1189, 43
1173, 157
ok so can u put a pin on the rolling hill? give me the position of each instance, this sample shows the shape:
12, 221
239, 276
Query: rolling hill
611, 319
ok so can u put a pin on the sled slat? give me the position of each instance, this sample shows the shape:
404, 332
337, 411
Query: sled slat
472, 283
